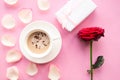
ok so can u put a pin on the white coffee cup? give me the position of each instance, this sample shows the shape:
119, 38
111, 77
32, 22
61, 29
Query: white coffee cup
27, 31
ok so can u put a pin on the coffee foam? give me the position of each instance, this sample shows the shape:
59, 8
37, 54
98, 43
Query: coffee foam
38, 42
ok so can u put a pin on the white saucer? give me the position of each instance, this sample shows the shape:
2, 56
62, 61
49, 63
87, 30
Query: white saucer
57, 43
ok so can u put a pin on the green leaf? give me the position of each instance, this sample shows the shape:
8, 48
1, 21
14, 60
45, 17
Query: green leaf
99, 62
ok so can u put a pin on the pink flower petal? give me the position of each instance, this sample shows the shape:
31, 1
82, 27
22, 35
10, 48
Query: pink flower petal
25, 15
11, 2
12, 73
8, 21
43, 4
54, 73
13, 56
32, 69
8, 40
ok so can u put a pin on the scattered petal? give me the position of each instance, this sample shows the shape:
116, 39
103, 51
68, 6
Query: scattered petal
25, 15
54, 73
12, 73
8, 21
32, 69
43, 4
8, 40
11, 2
13, 56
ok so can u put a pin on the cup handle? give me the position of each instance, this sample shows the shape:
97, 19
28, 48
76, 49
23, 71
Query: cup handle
56, 38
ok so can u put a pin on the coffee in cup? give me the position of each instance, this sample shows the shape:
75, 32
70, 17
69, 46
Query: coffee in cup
38, 42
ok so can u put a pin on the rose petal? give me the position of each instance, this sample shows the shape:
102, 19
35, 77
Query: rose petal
8, 21
13, 56
12, 73
43, 4
11, 2
32, 69
54, 73
91, 33
8, 40
25, 15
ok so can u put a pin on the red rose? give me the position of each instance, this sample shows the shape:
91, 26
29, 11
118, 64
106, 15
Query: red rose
91, 33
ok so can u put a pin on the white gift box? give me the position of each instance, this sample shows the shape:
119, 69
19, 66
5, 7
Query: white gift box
74, 12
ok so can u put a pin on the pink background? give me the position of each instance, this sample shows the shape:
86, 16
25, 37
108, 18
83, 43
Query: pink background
73, 59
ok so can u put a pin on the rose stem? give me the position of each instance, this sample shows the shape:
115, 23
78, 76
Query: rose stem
91, 69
